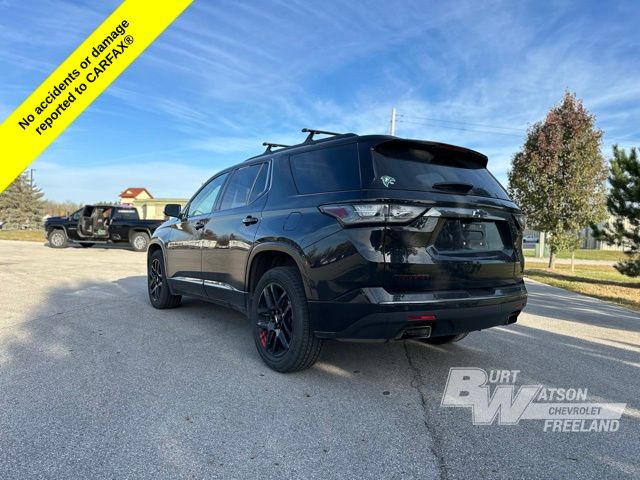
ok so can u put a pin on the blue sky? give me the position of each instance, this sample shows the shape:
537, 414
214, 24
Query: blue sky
228, 75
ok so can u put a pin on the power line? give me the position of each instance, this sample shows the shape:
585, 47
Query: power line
462, 128
434, 122
456, 122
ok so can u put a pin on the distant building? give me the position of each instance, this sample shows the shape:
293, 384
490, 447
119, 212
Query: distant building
153, 208
149, 208
586, 239
130, 195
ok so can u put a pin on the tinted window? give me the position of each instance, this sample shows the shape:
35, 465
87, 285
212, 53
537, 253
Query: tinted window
237, 192
327, 170
125, 214
76, 215
204, 201
437, 169
261, 183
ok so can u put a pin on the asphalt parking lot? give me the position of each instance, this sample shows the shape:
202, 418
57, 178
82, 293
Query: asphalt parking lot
94, 383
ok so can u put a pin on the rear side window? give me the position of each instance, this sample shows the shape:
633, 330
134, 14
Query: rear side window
261, 183
331, 169
125, 214
240, 184
433, 168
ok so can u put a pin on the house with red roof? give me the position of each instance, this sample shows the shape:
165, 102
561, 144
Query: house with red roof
129, 195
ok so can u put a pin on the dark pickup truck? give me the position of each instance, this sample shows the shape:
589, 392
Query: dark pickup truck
94, 224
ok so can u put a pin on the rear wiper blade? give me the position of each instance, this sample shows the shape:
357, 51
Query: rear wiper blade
461, 187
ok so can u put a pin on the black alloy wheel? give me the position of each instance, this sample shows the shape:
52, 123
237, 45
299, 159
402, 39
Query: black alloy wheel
282, 329
155, 280
275, 320
159, 294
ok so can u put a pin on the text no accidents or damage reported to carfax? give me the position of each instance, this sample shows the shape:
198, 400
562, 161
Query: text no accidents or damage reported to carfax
66, 90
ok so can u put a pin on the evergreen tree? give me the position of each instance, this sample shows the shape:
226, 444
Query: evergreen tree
558, 177
21, 204
623, 203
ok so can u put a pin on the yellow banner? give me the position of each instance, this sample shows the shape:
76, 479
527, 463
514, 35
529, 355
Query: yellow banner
80, 79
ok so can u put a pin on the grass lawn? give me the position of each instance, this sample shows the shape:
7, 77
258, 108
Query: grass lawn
586, 255
599, 281
29, 235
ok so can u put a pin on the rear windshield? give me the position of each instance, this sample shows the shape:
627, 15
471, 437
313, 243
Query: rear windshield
433, 168
125, 214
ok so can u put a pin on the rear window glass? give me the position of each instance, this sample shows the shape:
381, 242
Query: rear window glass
401, 167
125, 214
327, 170
260, 185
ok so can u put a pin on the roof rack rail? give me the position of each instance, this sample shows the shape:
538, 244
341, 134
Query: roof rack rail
313, 132
270, 146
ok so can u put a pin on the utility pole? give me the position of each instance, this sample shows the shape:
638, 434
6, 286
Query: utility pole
31, 176
393, 121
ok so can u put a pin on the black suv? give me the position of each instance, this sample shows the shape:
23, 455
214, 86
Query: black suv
347, 237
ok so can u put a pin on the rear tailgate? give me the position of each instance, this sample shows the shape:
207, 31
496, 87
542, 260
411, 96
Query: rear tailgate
468, 236
452, 249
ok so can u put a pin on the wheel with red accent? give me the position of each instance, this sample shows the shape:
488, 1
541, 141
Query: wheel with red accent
281, 326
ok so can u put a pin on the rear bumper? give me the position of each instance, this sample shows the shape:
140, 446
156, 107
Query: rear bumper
375, 314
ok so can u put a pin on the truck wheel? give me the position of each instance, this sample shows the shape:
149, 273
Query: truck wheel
157, 283
87, 245
444, 339
281, 325
58, 239
140, 241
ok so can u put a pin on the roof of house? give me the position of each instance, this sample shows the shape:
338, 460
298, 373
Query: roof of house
134, 192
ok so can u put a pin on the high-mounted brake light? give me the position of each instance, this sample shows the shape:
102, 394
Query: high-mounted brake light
376, 213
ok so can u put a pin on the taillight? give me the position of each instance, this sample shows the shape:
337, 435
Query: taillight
372, 213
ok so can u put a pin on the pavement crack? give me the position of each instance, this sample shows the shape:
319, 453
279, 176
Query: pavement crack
418, 384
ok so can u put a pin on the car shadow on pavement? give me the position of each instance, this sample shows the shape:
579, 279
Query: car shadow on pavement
97, 246
96, 383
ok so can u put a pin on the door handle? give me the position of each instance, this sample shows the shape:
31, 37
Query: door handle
249, 220
199, 225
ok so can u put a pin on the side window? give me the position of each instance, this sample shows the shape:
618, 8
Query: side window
327, 170
237, 192
204, 201
261, 183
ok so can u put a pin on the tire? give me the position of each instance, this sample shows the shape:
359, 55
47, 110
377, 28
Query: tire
139, 241
444, 339
87, 245
280, 316
157, 284
58, 239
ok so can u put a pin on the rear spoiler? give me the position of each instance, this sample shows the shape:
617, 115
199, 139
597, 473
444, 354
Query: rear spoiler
476, 159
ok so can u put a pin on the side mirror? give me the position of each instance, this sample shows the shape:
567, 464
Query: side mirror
172, 210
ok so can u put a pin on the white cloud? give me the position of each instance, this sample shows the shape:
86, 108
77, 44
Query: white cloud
265, 71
